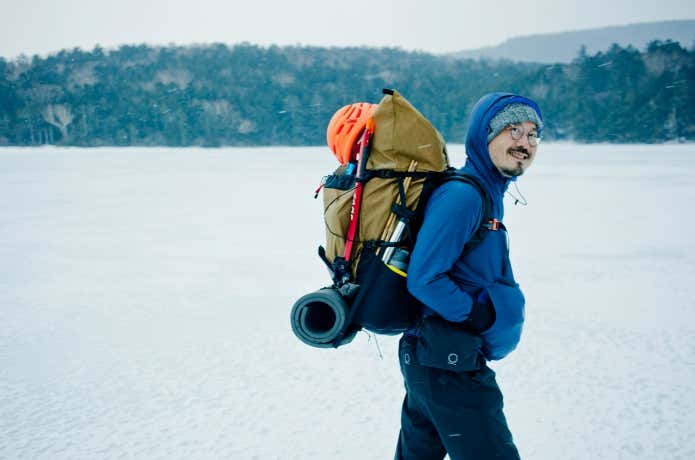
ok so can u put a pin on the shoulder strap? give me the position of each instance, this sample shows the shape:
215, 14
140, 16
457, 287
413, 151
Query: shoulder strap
487, 222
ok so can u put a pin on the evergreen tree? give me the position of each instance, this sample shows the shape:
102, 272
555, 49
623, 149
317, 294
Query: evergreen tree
217, 95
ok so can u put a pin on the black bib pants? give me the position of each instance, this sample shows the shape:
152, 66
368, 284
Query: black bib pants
459, 413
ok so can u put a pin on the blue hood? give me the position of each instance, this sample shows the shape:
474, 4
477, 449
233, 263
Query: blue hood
478, 160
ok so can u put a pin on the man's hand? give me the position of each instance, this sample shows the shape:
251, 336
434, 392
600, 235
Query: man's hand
482, 315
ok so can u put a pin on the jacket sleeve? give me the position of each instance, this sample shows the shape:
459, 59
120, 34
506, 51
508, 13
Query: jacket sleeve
451, 218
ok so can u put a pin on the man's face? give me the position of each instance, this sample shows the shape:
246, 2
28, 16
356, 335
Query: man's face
512, 157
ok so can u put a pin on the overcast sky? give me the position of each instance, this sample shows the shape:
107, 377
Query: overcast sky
43, 26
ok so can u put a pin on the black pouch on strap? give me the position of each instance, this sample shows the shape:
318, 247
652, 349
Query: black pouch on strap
383, 303
446, 345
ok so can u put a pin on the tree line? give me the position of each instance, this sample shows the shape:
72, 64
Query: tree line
217, 95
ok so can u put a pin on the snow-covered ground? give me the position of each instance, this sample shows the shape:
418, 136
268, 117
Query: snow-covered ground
145, 298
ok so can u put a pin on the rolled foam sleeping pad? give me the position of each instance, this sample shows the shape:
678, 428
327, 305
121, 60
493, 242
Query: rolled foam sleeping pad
319, 318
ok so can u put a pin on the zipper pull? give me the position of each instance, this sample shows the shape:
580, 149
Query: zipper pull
323, 182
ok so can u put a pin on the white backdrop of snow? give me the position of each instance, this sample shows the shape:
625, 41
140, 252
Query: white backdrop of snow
145, 297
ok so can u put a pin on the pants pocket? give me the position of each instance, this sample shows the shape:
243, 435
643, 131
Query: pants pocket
446, 345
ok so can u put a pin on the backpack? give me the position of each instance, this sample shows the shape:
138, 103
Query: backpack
392, 159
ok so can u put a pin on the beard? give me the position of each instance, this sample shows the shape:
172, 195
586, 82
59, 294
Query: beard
518, 168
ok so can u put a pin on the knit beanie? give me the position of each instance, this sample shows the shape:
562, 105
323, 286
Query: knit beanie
512, 114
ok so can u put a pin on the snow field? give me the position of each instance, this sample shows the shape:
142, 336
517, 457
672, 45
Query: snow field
145, 298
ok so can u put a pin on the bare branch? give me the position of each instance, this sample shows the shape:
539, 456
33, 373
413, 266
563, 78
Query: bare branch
60, 116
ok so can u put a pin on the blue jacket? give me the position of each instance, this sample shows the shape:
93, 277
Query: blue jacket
437, 274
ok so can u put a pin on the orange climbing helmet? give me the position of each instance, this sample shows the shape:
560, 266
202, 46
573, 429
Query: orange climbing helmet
345, 128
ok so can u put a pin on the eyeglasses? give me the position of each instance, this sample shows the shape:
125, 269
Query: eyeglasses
517, 132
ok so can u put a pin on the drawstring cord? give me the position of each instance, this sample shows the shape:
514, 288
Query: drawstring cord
376, 342
518, 199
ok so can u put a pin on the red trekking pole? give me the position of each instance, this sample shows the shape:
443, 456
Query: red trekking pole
363, 155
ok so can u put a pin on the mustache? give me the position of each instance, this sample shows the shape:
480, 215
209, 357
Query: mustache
519, 149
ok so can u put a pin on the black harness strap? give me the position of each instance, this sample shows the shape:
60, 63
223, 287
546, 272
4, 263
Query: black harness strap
488, 223
392, 174
400, 209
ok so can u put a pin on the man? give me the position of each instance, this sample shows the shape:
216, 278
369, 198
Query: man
473, 307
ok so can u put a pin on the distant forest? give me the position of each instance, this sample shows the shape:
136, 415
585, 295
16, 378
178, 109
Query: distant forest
216, 95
